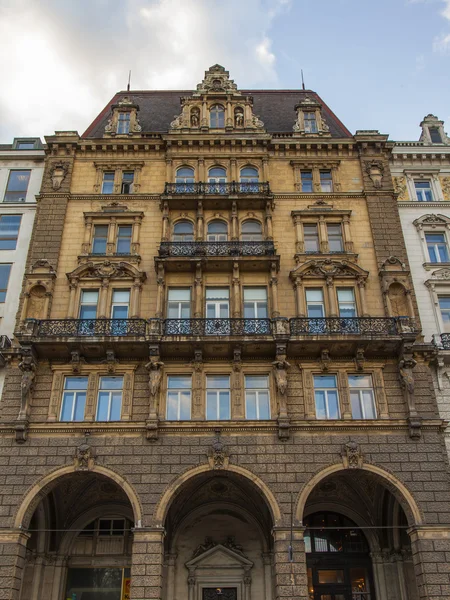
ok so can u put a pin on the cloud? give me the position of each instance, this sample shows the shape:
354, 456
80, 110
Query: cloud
67, 59
441, 44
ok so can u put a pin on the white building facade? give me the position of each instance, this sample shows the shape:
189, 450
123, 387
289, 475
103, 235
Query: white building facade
421, 176
21, 170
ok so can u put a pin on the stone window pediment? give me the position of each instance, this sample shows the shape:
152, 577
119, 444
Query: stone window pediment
219, 556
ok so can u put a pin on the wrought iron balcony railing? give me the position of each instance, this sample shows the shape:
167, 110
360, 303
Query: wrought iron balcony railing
235, 248
90, 327
221, 189
204, 327
445, 341
350, 326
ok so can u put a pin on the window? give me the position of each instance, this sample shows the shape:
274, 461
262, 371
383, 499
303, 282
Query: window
346, 302
179, 303
109, 405
74, 399
16, 190
255, 307
124, 237
9, 231
217, 177
123, 122
311, 236
183, 231
435, 135
361, 397
217, 117
88, 304
185, 180
127, 182
179, 391
4, 278
423, 191
310, 122
335, 240
25, 145
108, 182
437, 247
100, 239
306, 180
217, 231
108, 527
444, 305
314, 303
217, 397
251, 231
217, 303
120, 304
326, 396
249, 180
326, 181
257, 404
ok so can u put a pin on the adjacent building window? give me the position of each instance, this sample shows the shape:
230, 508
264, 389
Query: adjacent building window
183, 231
311, 236
88, 304
217, 231
9, 231
74, 399
306, 180
217, 117
423, 190
437, 247
109, 405
347, 303
108, 182
444, 305
218, 397
100, 239
217, 303
127, 182
362, 397
5, 270
257, 400
315, 306
123, 122
251, 231
16, 189
310, 122
179, 303
326, 397
335, 238
124, 237
326, 181
179, 392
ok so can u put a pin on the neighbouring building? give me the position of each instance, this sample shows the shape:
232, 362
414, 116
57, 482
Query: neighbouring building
220, 396
21, 170
421, 175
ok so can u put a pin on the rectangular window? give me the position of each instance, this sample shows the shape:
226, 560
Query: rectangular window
179, 303
326, 181
255, 303
25, 145
127, 182
335, 240
437, 247
444, 305
326, 396
109, 405
423, 191
435, 135
5, 270
123, 122
179, 392
311, 236
310, 122
346, 302
306, 178
257, 401
74, 399
217, 303
108, 527
124, 237
88, 304
108, 182
120, 304
362, 397
16, 190
314, 303
100, 239
218, 397
9, 231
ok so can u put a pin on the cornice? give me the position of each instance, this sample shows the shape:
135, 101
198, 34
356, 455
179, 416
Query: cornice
112, 197
319, 195
423, 205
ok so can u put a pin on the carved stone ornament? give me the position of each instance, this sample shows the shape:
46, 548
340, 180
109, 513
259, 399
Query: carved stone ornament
375, 170
400, 188
351, 456
328, 268
57, 174
392, 263
28, 368
209, 543
440, 275
445, 184
154, 368
84, 458
280, 368
216, 80
218, 456
325, 360
106, 270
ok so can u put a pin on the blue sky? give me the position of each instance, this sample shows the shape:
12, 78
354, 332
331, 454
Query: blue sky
379, 65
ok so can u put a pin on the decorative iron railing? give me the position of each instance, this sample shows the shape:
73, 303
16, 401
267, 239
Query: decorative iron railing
230, 188
342, 326
235, 248
445, 341
204, 327
91, 327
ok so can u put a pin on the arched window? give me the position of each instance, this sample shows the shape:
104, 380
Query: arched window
251, 231
249, 180
217, 117
217, 177
217, 231
185, 180
183, 231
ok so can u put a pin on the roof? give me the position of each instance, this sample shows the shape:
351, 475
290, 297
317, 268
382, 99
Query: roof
276, 108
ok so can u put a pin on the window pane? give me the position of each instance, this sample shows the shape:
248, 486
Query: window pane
218, 381
217, 293
180, 294
185, 408
306, 181
264, 409
369, 404
9, 226
314, 295
224, 405
183, 227
121, 296
250, 403
324, 381
89, 296
315, 311
111, 383
119, 312
79, 407
356, 405
76, 383
217, 227
5, 270
18, 181
172, 406
255, 294
251, 227
321, 411
333, 405
66, 412
102, 408
180, 382
211, 406
435, 135
116, 406
88, 311
345, 295
256, 381
360, 381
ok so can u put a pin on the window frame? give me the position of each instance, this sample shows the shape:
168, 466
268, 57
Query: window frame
424, 191
179, 391
123, 122
97, 238
6, 238
5, 289
251, 236
310, 124
257, 391
359, 391
124, 182
325, 391
435, 245
175, 236
179, 302
217, 391
119, 238
110, 392
108, 181
326, 182
214, 112
75, 392
17, 192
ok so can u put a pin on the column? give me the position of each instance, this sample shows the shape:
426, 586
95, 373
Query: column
13, 544
135, 246
102, 301
335, 178
290, 572
234, 222
198, 292
170, 570
135, 298
165, 223
160, 282
73, 285
300, 242
299, 297
274, 290
323, 235
430, 547
147, 564
316, 179
331, 297
169, 175
348, 243
233, 170
344, 396
362, 297
378, 574
201, 169
265, 170
111, 242
205, 120
87, 236
199, 228
268, 219
229, 115
236, 292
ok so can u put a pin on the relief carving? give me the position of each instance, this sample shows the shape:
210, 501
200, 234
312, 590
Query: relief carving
400, 188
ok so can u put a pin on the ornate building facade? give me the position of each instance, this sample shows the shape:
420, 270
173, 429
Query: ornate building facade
221, 396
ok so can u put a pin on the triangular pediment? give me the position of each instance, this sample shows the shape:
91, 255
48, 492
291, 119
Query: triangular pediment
219, 556
324, 268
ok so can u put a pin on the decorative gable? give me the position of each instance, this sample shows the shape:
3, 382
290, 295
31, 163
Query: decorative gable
310, 120
433, 131
124, 119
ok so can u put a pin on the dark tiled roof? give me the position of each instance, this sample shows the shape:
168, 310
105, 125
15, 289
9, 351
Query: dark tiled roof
275, 108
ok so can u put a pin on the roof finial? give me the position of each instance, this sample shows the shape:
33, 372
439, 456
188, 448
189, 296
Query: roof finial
129, 81
303, 83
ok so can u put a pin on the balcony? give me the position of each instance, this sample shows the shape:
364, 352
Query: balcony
344, 326
213, 327
217, 195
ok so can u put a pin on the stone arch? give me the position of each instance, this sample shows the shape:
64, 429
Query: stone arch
394, 485
37, 301
170, 493
40, 489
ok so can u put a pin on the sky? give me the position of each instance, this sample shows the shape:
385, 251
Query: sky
378, 65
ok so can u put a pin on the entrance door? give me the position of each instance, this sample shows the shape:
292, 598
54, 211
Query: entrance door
325, 592
220, 593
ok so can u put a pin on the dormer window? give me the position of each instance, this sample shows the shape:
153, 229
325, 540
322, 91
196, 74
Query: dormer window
123, 122
310, 122
217, 117
435, 135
